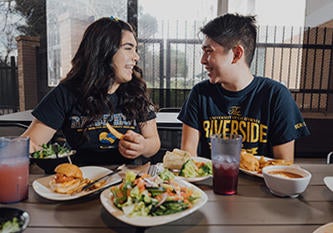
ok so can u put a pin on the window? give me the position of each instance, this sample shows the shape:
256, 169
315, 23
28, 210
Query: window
66, 22
170, 48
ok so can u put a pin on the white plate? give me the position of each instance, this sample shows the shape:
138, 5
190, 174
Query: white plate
195, 179
325, 228
255, 173
199, 178
328, 180
41, 185
154, 220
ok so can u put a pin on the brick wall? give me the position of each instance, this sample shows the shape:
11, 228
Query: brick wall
27, 72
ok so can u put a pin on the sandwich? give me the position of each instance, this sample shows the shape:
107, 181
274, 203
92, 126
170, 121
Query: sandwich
175, 159
68, 179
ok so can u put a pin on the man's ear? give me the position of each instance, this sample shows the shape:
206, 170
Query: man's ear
238, 53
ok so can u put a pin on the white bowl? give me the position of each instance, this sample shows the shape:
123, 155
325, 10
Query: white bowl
282, 180
325, 228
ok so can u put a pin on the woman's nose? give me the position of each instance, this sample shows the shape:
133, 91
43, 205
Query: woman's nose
136, 56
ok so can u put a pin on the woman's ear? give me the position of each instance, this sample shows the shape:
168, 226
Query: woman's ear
238, 53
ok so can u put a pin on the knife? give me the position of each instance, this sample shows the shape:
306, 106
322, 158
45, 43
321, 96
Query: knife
87, 186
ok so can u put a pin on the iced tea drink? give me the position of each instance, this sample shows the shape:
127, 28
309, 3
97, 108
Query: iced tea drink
225, 176
225, 159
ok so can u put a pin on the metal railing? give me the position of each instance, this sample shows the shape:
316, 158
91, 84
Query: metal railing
301, 58
8, 88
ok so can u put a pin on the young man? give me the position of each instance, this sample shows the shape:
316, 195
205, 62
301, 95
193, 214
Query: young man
234, 101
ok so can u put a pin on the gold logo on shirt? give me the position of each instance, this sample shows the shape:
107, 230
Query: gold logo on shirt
235, 111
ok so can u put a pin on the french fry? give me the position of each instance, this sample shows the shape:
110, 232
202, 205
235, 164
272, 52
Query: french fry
98, 184
114, 131
79, 188
262, 162
85, 182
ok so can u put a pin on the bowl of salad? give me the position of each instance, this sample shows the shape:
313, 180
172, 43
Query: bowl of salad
13, 220
51, 155
152, 200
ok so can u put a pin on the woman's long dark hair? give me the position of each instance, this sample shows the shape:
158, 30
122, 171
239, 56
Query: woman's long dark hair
92, 74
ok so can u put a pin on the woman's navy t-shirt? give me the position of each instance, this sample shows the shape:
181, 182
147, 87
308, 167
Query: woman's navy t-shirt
60, 111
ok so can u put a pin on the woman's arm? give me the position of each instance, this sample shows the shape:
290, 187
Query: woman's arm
147, 143
284, 151
39, 133
190, 139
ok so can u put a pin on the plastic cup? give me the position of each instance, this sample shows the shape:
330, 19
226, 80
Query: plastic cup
225, 155
14, 169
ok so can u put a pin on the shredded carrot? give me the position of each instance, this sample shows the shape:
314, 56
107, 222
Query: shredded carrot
141, 186
199, 164
145, 175
159, 197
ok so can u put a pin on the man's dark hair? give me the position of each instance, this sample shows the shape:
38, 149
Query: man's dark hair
231, 29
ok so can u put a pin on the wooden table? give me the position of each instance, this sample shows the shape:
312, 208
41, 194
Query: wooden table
253, 209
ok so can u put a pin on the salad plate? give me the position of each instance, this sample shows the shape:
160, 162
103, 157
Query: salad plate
193, 179
147, 221
42, 188
328, 180
198, 178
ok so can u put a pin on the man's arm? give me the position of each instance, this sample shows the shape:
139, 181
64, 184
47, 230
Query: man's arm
284, 151
190, 139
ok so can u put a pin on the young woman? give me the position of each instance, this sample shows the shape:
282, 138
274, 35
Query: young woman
103, 86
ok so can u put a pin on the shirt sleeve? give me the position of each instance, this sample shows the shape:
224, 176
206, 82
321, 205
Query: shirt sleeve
52, 108
151, 114
189, 113
287, 121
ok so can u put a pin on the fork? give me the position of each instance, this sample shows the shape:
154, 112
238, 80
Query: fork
103, 177
153, 170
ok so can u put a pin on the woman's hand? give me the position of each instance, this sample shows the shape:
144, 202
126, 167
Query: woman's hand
132, 145
147, 143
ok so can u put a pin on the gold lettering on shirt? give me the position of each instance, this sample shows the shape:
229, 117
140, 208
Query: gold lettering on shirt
300, 125
252, 130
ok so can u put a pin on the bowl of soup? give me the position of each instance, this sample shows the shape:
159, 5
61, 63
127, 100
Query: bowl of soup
286, 181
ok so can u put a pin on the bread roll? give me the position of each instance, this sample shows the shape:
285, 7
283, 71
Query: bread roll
69, 169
